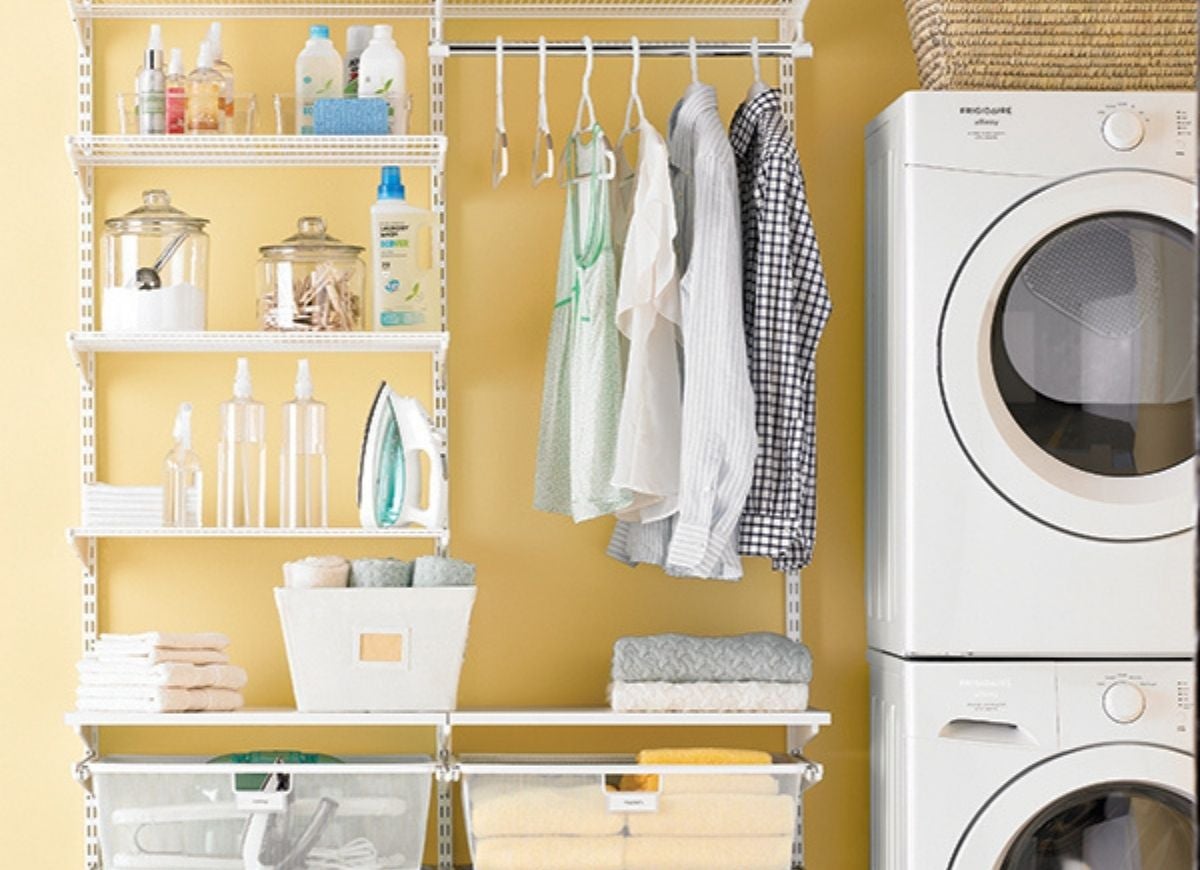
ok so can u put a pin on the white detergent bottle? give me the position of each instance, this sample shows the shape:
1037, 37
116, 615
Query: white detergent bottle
242, 457
318, 76
406, 293
183, 480
303, 470
382, 73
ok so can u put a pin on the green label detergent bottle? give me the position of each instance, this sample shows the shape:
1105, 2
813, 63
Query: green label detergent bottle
406, 287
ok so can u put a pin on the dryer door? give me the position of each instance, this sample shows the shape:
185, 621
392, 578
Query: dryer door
1066, 360
1059, 815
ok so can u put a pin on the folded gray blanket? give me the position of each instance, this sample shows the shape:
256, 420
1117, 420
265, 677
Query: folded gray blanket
681, 658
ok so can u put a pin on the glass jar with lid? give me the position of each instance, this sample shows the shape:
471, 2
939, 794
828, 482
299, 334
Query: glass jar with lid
311, 282
156, 269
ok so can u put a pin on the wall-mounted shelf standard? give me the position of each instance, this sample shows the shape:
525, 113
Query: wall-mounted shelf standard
245, 151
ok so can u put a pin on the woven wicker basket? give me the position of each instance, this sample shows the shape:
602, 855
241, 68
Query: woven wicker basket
1063, 45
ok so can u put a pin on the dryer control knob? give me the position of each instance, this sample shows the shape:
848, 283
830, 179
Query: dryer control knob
1124, 702
1123, 130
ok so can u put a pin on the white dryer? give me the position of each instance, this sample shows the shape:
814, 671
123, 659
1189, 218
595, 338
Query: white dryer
1030, 372
1031, 765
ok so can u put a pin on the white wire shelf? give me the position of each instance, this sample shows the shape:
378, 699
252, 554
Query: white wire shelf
264, 716
247, 151
604, 717
258, 342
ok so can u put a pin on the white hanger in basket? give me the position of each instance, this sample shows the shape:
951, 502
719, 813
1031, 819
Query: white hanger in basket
500, 143
543, 142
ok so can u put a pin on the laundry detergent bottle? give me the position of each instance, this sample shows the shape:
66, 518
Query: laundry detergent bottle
242, 456
406, 287
319, 75
303, 469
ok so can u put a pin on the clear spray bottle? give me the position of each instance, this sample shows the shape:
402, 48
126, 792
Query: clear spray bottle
242, 456
183, 481
303, 481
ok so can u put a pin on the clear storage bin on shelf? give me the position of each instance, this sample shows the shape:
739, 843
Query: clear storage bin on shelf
310, 282
155, 269
177, 812
245, 115
608, 813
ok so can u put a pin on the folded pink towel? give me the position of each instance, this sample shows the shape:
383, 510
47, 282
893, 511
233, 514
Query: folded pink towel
113, 699
93, 672
140, 644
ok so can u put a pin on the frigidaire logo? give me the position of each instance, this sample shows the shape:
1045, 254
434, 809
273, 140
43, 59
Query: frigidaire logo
1002, 683
985, 110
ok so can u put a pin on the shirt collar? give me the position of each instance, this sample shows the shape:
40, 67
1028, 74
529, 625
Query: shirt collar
753, 116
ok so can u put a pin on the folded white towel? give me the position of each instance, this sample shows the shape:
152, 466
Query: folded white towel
161, 656
140, 644
93, 672
709, 697
111, 699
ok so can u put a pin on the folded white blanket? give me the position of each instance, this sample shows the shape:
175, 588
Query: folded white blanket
717, 815
549, 853
575, 810
111, 699
93, 672
139, 644
705, 697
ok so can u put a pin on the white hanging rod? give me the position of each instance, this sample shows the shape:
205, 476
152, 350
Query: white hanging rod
624, 49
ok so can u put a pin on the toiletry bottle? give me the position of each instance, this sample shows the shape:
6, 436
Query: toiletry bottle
381, 73
242, 457
152, 87
357, 38
183, 481
404, 281
177, 87
226, 71
303, 481
205, 87
318, 76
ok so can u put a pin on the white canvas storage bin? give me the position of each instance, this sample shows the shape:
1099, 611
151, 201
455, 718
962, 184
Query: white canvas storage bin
375, 650
578, 813
185, 814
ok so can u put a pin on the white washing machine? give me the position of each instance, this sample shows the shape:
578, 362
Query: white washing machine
1031, 765
1030, 373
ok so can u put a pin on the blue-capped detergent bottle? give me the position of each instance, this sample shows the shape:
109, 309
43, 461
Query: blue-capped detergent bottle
406, 289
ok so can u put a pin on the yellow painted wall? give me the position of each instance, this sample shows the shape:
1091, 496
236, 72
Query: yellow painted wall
550, 602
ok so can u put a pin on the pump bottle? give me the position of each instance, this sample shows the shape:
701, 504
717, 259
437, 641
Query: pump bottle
242, 456
303, 481
205, 89
226, 71
183, 480
152, 87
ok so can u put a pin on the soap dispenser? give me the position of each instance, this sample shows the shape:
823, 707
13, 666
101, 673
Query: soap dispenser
183, 480
242, 456
303, 481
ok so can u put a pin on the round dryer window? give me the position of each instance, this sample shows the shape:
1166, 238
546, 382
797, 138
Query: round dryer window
1066, 359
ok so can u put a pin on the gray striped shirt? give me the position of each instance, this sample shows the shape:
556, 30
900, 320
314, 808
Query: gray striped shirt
718, 444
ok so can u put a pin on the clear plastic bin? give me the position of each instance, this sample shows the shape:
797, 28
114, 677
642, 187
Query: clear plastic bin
180, 813
245, 114
608, 813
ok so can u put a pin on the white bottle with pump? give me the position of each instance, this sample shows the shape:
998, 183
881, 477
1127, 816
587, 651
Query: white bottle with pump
152, 87
303, 470
318, 76
242, 457
382, 72
405, 281
183, 480
226, 71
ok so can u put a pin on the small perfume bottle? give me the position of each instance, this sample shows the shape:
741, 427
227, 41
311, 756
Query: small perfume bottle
206, 90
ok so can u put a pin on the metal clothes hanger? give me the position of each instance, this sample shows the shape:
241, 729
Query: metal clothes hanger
570, 174
757, 86
635, 98
500, 143
543, 142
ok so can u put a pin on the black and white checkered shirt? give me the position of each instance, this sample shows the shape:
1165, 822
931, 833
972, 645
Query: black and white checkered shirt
786, 305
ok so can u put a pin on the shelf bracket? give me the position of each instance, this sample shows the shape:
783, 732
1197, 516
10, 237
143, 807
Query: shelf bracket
82, 173
801, 47
83, 361
81, 771
82, 545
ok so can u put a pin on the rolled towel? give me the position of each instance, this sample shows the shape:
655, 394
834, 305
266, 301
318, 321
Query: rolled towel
93, 672
708, 853
750, 697
704, 757
717, 815
316, 572
442, 571
140, 644
577, 811
381, 574
549, 853
680, 658
156, 700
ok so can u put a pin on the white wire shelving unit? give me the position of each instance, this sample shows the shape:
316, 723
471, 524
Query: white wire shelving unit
89, 152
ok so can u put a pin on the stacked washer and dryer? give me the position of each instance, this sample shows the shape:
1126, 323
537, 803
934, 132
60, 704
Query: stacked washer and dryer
1030, 375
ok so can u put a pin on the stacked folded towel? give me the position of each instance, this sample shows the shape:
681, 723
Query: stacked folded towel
105, 505
158, 672
761, 672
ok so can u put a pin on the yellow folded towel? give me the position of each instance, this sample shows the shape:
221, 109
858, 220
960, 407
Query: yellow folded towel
706, 756
575, 811
708, 853
550, 853
717, 815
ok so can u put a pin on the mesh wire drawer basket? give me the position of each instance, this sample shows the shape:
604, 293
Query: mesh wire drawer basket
1063, 45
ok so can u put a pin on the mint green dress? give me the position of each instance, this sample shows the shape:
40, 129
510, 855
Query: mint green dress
581, 393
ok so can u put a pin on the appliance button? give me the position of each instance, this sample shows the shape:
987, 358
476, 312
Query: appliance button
1123, 130
1124, 702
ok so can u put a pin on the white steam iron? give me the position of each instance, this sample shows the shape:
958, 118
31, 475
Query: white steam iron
389, 471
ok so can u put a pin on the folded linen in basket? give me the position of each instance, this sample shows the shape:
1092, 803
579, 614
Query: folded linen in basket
708, 853
549, 853
579, 811
748, 697
114, 699
717, 815
682, 658
140, 644
93, 672
703, 756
